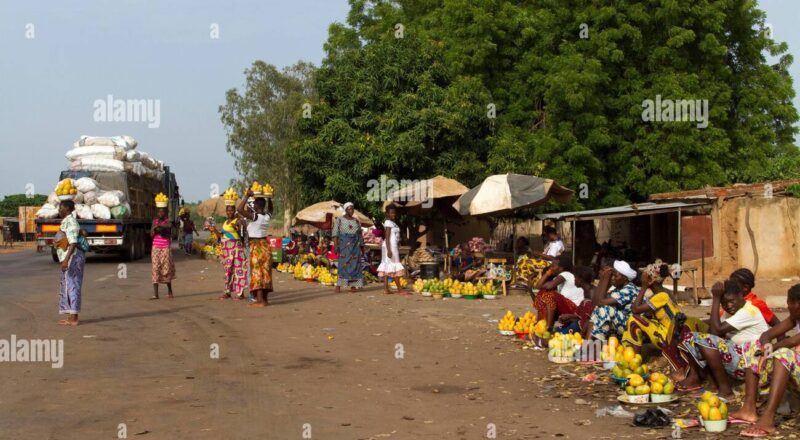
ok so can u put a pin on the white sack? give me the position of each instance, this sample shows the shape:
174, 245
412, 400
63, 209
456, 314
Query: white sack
52, 199
47, 213
132, 156
83, 212
101, 212
85, 184
90, 198
111, 198
96, 152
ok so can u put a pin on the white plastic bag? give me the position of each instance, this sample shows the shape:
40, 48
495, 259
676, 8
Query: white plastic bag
96, 152
83, 212
101, 212
97, 164
78, 198
85, 184
90, 198
111, 199
132, 156
52, 199
47, 211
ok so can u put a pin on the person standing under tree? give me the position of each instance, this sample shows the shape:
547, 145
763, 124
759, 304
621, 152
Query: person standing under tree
163, 270
258, 216
390, 252
349, 243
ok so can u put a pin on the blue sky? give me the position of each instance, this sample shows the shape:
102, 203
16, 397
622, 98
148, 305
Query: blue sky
84, 50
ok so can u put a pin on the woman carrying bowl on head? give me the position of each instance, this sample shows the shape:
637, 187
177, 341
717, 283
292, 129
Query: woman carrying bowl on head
258, 217
234, 263
73, 259
163, 267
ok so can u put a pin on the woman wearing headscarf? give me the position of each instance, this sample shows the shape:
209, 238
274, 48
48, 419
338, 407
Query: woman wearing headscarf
349, 245
612, 308
163, 267
658, 319
234, 262
73, 260
258, 217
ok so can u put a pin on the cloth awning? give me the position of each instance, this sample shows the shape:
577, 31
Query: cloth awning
619, 211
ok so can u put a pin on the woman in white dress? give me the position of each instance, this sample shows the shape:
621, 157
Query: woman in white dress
390, 254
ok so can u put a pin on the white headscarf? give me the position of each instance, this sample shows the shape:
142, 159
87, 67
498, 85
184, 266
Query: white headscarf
625, 269
348, 205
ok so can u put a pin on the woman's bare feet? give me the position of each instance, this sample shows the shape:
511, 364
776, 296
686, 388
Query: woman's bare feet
338, 289
745, 415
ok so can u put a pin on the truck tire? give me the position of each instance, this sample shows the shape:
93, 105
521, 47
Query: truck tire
54, 254
140, 246
128, 246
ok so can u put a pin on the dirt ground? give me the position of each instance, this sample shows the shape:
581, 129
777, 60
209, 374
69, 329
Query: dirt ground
314, 365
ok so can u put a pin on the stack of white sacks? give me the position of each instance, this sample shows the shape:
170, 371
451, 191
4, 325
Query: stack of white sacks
117, 153
91, 202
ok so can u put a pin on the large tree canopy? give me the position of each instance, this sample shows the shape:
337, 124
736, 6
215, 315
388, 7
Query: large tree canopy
568, 78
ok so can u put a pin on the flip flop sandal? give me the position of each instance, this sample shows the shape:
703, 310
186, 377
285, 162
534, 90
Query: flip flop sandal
738, 421
682, 389
153, 297
756, 432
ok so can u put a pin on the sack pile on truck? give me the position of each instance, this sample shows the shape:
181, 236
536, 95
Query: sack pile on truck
91, 201
115, 153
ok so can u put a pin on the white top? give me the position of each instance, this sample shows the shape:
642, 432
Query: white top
554, 248
257, 226
569, 290
749, 323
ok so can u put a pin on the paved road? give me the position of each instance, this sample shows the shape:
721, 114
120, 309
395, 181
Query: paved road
335, 366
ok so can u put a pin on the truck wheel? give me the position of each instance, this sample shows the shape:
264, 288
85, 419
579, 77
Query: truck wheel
139, 244
128, 247
54, 254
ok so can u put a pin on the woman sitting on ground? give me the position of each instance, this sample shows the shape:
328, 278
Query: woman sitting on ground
725, 350
659, 320
612, 308
747, 281
765, 371
577, 321
558, 291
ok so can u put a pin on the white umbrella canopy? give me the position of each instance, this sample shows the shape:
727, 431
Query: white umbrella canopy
317, 214
503, 193
425, 192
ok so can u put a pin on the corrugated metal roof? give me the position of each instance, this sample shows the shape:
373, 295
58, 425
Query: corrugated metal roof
619, 211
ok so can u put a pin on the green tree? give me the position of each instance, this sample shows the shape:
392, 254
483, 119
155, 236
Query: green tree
9, 206
262, 126
569, 79
390, 108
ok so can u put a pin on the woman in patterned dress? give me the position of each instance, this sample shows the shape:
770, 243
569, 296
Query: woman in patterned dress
163, 267
776, 368
234, 262
72, 260
258, 217
612, 309
349, 245
725, 351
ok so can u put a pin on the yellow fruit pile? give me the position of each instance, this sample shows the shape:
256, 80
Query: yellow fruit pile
459, 288
66, 188
486, 288
284, 267
325, 276
564, 345
230, 195
162, 198
661, 384
418, 284
508, 321
711, 407
525, 323
258, 188
611, 350
540, 329
628, 362
636, 386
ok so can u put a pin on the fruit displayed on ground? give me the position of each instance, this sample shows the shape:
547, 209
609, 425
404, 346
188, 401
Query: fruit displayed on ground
636, 386
564, 345
486, 288
628, 362
525, 323
711, 408
660, 383
540, 329
459, 288
508, 322
418, 285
